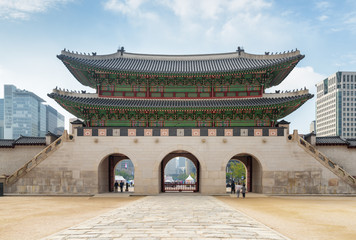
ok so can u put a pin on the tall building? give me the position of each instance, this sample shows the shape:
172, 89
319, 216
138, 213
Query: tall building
190, 167
336, 105
1, 118
312, 126
26, 114
54, 120
171, 167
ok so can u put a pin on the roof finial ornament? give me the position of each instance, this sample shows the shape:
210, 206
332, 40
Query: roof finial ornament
240, 49
266, 53
94, 53
121, 50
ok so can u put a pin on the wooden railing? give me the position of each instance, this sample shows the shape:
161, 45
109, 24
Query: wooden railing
332, 166
180, 187
37, 159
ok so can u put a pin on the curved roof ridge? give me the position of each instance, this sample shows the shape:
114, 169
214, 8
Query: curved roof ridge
180, 57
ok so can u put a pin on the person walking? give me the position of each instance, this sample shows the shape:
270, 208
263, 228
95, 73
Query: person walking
238, 189
243, 190
232, 187
121, 185
116, 185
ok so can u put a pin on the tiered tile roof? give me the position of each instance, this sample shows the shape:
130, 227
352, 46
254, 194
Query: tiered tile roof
176, 64
179, 103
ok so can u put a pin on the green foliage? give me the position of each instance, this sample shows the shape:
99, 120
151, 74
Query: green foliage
182, 176
235, 170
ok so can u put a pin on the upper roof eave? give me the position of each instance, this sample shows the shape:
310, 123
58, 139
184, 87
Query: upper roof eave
179, 64
187, 57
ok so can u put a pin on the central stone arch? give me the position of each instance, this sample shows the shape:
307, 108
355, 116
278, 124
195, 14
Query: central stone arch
180, 153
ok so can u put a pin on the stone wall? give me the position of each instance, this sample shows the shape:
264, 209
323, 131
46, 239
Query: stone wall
341, 155
80, 166
12, 159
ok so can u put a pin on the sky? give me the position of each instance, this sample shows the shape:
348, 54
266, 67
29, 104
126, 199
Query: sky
33, 32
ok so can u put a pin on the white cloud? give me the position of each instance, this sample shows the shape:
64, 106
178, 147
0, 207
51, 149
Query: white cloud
131, 8
300, 77
322, 5
323, 18
22, 9
212, 9
343, 62
125, 7
349, 21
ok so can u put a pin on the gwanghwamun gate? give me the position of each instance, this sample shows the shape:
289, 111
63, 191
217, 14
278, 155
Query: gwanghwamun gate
150, 109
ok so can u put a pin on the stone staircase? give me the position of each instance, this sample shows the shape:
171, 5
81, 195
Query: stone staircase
325, 161
37, 159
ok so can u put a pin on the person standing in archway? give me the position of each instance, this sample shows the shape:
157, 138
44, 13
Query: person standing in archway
116, 185
232, 186
121, 186
238, 189
243, 190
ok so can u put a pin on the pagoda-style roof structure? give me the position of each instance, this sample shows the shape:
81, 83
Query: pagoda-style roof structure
180, 90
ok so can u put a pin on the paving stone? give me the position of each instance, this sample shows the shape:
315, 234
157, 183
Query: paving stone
171, 217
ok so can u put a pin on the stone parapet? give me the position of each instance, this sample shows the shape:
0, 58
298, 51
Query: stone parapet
181, 131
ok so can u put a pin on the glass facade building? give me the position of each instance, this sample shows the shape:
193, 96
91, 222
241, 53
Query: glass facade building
26, 114
336, 105
1, 118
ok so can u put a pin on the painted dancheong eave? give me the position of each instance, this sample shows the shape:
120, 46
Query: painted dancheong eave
262, 111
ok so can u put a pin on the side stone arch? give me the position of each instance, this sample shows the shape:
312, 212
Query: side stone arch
254, 167
230, 155
106, 162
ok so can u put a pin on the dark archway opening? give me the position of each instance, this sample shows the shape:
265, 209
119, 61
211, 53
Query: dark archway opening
236, 174
116, 167
185, 179
253, 178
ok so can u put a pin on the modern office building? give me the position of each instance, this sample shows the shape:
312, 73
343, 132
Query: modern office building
312, 126
335, 105
25, 113
1, 118
54, 120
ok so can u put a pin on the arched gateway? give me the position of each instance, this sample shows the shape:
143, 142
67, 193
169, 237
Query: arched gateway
107, 169
253, 172
212, 95
214, 105
183, 185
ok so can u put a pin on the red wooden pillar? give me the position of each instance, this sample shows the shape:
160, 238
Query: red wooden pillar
249, 173
111, 173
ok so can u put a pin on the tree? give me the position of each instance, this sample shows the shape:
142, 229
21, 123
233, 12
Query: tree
182, 176
236, 170
124, 174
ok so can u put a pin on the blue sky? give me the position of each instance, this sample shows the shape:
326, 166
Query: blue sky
33, 32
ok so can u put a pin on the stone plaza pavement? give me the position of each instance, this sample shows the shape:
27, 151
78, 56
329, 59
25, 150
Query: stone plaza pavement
171, 216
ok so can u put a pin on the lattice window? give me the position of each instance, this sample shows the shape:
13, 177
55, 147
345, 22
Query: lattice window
137, 123
157, 124
202, 124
